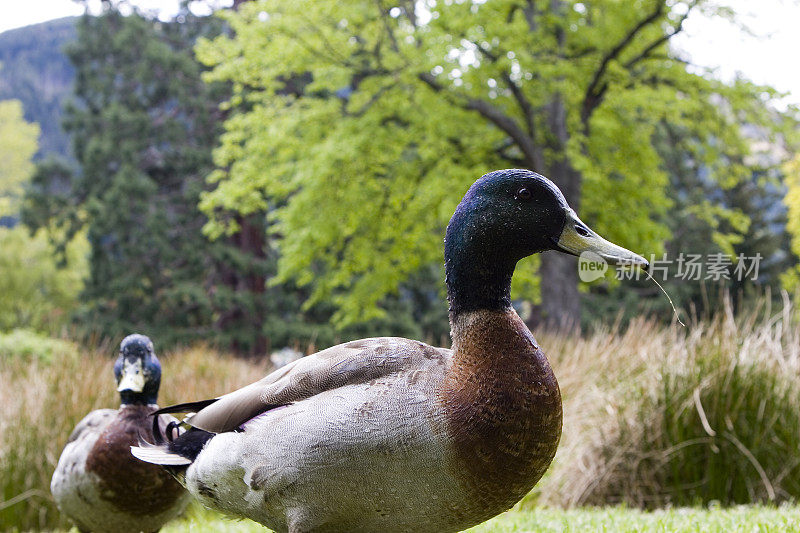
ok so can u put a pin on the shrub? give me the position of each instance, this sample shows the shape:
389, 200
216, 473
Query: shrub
36, 290
26, 344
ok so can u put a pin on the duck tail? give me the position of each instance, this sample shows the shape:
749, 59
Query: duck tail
173, 448
158, 455
180, 451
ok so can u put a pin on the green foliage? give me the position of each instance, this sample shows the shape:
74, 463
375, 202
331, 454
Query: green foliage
17, 146
26, 344
142, 124
35, 290
791, 279
141, 134
358, 127
734, 217
341, 223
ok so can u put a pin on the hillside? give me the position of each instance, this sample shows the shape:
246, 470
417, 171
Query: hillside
35, 70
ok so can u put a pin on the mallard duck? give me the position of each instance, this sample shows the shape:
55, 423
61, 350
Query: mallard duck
97, 483
391, 434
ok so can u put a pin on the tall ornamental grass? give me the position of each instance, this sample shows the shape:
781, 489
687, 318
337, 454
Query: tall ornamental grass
672, 416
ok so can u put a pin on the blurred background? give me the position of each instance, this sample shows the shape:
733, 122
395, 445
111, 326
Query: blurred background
250, 181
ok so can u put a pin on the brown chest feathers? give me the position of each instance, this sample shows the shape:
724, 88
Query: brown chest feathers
132, 486
503, 408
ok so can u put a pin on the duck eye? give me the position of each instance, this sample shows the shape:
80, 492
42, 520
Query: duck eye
523, 194
583, 232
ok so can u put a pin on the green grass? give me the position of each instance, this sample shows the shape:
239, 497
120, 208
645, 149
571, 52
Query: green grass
619, 519
609, 519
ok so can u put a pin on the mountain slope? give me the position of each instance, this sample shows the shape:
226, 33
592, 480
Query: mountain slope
35, 70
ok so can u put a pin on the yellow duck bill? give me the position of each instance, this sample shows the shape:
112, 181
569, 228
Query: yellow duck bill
576, 238
132, 377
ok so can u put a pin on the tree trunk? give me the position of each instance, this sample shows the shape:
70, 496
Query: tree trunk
248, 283
560, 308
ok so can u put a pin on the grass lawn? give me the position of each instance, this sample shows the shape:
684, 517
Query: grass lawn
610, 519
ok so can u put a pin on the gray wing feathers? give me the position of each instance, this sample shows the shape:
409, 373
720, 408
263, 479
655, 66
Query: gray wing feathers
78, 445
94, 422
231, 410
355, 362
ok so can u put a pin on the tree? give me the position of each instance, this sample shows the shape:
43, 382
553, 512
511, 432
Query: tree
143, 124
17, 146
791, 278
359, 127
35, 291
741, 223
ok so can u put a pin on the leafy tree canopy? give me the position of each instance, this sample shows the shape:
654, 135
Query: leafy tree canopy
35, 291
17, 146
359, 125
791, 279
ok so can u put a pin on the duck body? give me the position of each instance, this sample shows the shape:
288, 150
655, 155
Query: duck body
405, 446
391, 434
100, 486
